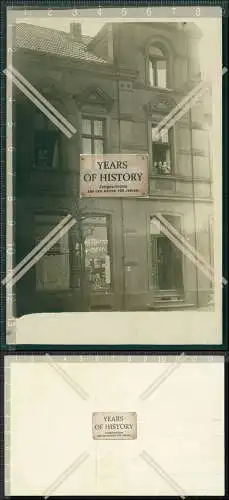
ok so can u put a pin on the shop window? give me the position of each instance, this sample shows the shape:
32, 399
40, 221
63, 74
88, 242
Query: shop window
161, 152
46, 143
97, 253
158, 68
52, 269
92, 136
167, 273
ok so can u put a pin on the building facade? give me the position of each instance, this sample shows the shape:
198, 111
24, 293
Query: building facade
114, 89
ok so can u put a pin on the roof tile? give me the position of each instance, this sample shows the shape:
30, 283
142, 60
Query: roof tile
46, 40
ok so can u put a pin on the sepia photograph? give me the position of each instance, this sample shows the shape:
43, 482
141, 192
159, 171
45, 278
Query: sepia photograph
115, 180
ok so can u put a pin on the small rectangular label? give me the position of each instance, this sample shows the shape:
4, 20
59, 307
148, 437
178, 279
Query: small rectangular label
114, 425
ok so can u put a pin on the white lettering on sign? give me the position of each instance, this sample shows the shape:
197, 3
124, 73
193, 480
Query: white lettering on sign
114, 175
109, 425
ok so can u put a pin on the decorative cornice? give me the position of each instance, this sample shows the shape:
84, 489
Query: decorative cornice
94, 95
160, 103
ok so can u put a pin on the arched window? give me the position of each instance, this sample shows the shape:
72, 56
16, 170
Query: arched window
158, 67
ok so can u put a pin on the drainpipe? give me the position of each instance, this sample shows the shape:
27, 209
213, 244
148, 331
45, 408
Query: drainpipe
116, 53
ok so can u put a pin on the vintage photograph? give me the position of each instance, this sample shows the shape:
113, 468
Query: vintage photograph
113, 165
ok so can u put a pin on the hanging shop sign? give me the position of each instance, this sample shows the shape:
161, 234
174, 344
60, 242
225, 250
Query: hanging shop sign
120, 175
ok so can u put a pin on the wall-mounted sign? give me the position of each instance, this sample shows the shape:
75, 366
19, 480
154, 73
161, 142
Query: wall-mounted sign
118, 175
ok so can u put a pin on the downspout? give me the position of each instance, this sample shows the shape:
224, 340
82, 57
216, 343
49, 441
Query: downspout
116, 54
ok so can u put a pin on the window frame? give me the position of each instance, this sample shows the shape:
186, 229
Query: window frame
152, 286
164, 145
74, 240
92, 118
153, 60
107, 224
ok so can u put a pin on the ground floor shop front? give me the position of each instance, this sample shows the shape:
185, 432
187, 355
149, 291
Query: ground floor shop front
114, 257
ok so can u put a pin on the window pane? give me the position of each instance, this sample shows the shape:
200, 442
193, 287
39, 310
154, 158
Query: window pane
98, 144
164, 136
98, 128
52, 270
86, 146
152, 74
86, 126
155, 52
161, 74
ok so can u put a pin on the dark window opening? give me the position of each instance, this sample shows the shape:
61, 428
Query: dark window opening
167, 270
46, 143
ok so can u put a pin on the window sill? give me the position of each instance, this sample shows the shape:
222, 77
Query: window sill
161, 89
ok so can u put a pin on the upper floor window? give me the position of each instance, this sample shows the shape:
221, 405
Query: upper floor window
158, 68
46, 143
161, 152
93, 135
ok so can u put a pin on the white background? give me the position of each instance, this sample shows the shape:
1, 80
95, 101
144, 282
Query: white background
180, 426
